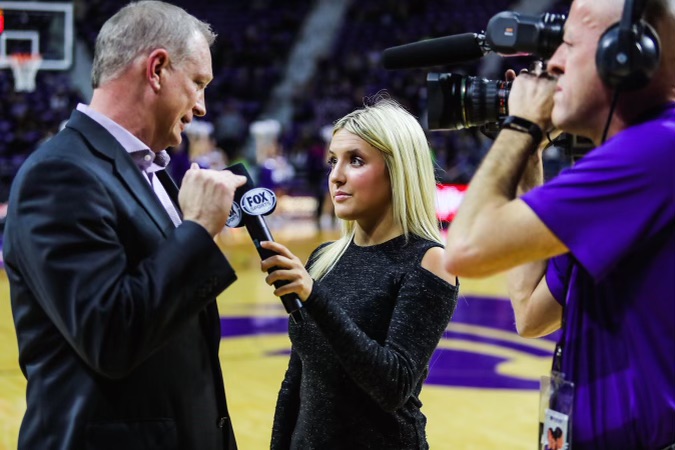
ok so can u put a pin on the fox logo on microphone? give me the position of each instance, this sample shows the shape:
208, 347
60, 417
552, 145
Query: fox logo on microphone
258, 202
235, 217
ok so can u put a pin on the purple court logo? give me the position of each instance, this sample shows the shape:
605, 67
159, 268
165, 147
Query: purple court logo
235, 216
479, 349
258, 202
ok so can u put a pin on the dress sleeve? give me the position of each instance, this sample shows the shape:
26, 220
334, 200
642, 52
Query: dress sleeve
390, 372
288, 405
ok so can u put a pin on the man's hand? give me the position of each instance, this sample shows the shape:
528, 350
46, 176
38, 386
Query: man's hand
206, 196
531, 97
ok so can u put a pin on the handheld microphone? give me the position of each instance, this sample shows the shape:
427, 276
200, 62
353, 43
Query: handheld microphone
435, 52
249, 206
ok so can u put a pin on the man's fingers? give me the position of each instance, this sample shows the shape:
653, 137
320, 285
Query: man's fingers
239, 180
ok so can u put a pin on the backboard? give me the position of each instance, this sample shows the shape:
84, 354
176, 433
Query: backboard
44, 28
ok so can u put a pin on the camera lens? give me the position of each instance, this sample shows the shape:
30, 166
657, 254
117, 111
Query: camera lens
457, 102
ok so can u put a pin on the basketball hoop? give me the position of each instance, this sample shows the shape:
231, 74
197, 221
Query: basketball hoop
24, 67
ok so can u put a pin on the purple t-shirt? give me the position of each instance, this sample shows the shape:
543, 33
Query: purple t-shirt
615, 211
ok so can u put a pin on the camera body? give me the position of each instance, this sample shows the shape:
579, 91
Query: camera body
511, 33
457, 101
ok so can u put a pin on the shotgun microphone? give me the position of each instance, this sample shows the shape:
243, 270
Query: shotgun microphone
508, 33
249, 206
434, 52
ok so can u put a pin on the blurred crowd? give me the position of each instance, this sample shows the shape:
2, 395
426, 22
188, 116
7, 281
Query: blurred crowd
249, 58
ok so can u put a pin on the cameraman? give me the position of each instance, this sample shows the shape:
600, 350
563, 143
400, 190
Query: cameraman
592, 251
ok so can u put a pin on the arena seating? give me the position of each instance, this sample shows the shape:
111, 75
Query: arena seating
255, 38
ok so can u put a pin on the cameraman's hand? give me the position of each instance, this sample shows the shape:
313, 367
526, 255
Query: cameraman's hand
206, 196
531, 97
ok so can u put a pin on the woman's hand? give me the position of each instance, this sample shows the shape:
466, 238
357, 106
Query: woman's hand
288, 267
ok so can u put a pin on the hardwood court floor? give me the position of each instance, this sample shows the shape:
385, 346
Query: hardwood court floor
481, 392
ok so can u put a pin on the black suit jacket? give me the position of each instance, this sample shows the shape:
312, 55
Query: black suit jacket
114, 307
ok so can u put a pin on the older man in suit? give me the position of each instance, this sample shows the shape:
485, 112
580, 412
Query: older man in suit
113, 292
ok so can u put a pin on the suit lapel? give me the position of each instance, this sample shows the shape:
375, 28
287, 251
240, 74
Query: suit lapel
170, 188
105, 145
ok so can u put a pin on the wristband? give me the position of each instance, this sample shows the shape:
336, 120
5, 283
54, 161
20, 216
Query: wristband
521, 125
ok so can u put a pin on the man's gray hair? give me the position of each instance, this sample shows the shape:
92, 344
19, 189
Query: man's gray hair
139, 28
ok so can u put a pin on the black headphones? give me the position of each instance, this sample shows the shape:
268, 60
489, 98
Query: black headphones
628, 51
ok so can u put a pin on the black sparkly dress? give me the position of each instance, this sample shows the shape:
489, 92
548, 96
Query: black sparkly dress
361, 355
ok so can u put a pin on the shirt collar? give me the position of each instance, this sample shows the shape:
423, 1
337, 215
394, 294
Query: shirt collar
150, 162
145, 159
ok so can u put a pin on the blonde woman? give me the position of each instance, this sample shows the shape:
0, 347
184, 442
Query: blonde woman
376, 301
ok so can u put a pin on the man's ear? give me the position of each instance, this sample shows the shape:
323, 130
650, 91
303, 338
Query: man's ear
156, 66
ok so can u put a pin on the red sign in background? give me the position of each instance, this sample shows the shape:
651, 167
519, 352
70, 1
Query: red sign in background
449, 196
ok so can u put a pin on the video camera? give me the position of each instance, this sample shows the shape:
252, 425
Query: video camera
457, 101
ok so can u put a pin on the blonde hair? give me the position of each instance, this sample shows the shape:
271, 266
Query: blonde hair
392, 130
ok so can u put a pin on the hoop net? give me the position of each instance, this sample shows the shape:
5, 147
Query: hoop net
24, 67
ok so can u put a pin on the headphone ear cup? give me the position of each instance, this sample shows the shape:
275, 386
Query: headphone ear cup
625, 61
